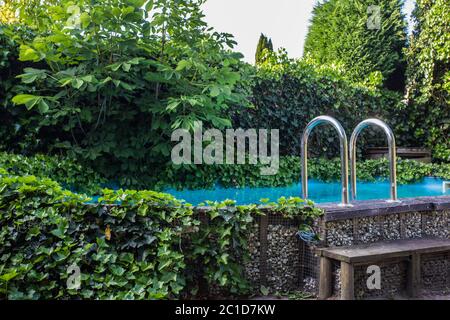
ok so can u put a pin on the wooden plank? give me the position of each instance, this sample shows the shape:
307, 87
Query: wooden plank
263, 229
325, 278
413, 276
385, 250
347, 281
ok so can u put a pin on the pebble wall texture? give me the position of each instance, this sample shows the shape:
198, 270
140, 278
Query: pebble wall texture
280, 262
252, 269
371, 225
393, 281
387, 227
435, 273
283, 258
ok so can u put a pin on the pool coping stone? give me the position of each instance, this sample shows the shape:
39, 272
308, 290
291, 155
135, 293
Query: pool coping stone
368, 208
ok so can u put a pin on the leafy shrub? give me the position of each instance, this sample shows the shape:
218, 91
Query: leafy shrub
131, 245
287, 94
428, 91
16, 129
108, 82
65, 171
229, 176
220, 248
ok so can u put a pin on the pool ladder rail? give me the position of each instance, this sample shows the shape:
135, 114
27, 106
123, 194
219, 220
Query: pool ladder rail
344, 156
392, 156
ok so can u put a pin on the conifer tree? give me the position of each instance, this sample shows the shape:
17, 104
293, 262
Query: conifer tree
364, 36
264, 43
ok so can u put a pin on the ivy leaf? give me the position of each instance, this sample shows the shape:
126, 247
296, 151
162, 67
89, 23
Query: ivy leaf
126, 67
9, 276
214, 91
224, 258
183, 64
264, 291
43, 106
117, 270
164, 264
28, 54
77, 83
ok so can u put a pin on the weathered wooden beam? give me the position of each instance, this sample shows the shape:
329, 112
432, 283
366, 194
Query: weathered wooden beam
325, 280
263, 230
413, 276
347, 281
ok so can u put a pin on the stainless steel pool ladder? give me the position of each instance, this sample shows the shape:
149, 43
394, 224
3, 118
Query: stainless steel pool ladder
344, 156
392, 155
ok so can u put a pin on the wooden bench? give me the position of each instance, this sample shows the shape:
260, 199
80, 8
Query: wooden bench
352, 256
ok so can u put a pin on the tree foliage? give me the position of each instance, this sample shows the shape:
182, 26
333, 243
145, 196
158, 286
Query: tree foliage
135, 245
288, 93
346, 32
264, 45
429, 77
108, 81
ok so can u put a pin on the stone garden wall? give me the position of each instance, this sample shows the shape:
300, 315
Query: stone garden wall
369, 222
281, 262
275, 252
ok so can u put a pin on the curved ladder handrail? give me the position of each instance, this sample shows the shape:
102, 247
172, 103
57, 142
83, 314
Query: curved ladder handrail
392, 155
344, 155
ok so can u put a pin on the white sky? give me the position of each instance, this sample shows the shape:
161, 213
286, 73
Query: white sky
285, 21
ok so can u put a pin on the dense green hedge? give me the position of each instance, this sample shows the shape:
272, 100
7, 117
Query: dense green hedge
340, 33
82, 179
67, 172
429, 77
151, 246
288, 94
206, 177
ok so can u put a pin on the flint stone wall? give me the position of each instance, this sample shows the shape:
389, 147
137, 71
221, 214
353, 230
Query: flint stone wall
375, 221
280, 262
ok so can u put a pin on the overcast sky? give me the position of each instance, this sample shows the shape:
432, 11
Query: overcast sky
285, 21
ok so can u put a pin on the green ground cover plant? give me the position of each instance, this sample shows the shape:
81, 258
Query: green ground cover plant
71, 88
67, 172
130, 245
192, 177
82, 179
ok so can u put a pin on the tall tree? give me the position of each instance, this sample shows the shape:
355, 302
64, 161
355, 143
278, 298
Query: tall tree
264, 43
95, 69
6, 11
428, 93
364, 36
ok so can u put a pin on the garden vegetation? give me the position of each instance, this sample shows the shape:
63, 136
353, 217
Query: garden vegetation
106, 83
90, 92
129, 245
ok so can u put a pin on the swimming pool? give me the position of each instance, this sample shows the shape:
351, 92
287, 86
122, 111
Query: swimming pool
319, 192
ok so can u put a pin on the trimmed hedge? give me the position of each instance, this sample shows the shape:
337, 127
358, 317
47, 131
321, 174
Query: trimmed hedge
131, 245
229, 176
65, 171
82, 179
288, 94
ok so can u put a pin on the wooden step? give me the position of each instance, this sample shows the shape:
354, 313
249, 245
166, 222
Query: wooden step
350, 256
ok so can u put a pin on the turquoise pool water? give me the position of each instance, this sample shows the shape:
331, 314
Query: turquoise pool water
319, 192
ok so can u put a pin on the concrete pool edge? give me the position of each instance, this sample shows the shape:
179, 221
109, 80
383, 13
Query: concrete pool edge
368, 208
360, 209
